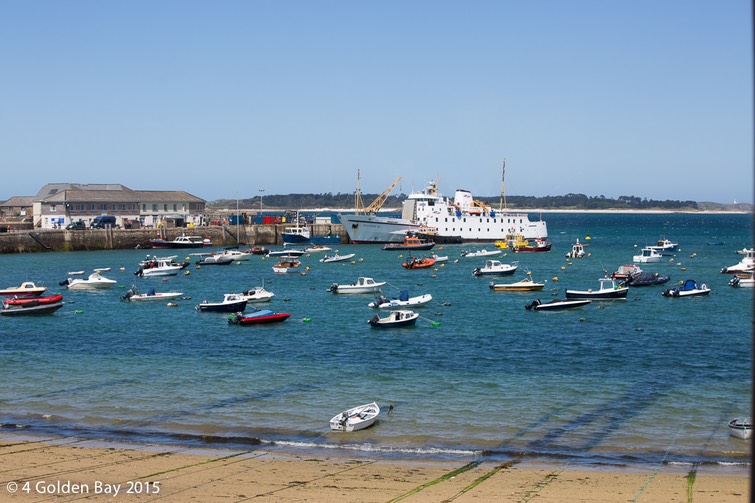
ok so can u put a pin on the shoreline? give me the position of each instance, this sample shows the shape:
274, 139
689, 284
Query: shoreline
76, 469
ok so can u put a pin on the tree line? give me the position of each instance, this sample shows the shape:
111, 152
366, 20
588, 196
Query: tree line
567, 201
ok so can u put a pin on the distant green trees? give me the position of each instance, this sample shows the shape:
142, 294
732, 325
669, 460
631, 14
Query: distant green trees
567, 201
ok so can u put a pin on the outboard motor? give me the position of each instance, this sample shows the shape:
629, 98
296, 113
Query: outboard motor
532, 304
65, 282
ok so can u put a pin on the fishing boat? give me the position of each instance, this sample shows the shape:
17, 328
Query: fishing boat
327, 259
95, 281
690, 288
747, 264
181, 242
461, 219
418, 263
495, 268
257, 295
403, 300
231, 303
741, 427
557, 304
647, 255
286, 263
525, 285
577, 250
396, 319
480, 253
25, 288
664, 245
261, 317
363, 285
29, 308
27, 300
356, 418
518, 243
133, 295
410, 242
743, 280
647, 279
609, 289
296, 234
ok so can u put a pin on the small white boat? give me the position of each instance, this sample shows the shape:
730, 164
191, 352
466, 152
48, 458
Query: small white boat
557, 305
25, 288
102, 269
439, 258
495, 268
577, 250
231, 303
741, 427
525, 285
318, 249
403, 300
286, 264
257, 294
396, 319
286, 253
237, 255
132, 295
647, 255
356, 418
160, 266
609, 290
743, 280
337, 258
747, 264
363, 285
690, 288
480, 253
95, 281
75, 273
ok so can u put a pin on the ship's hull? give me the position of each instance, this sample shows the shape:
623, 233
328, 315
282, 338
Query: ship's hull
376, 229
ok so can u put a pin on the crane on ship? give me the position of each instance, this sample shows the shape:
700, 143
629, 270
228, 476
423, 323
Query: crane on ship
375, 205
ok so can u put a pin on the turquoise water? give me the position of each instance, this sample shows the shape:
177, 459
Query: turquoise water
646, 380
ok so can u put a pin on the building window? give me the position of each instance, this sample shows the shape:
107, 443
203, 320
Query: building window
154, 206
165, 207
104, 207
144, 207
53, 208
175, 207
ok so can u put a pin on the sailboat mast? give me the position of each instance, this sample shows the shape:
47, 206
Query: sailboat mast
502, 202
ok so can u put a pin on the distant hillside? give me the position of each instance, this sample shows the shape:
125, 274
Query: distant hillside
565, 202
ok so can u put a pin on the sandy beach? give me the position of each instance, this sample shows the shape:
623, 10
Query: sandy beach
68, 469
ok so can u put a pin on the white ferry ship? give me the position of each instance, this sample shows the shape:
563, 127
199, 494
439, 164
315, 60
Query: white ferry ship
428, 212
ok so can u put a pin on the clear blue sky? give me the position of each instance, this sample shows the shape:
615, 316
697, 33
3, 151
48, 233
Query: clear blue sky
223, 99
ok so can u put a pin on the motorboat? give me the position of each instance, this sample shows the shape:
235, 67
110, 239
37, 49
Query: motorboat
258, 294
609, 290
213, 259
517, 243
133, 295
557, 304
747, 264
627, 271
261, 317
525, 285
396, 319
95, 281
356, 418
741, 427
690, 288
27, 300
743, 280
286, 252
439, 258
418, 263
480, 253
231, 303
647, 255
29, 308
237, 255
647, 279
410, 242
318, 249
403, 300
664, 245
286, 264
495, 268
160, 266
181, 242
577, 250
337, 258
296, 235
363, 285
25, 288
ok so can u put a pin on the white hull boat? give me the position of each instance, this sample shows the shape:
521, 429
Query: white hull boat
356, 418
258, 294
495, 268
480, 253
363, 285
690, 288
747, 264
741, 427
403, 301
132, 295
647, 256
95, 281
337, 258
609, 290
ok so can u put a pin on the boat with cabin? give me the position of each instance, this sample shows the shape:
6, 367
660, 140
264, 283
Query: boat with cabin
182, 241
647, 255
397, 318
494, 267
747, 264
363, 285
95, 281
410, 242
25, 288
577, 250
609, 289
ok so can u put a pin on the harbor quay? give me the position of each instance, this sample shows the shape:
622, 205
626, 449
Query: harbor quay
41, 240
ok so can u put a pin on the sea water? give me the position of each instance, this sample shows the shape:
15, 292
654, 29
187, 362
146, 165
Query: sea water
649, 379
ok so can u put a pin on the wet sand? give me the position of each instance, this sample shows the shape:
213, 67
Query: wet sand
68, 469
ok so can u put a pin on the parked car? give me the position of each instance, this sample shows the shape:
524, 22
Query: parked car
102, 221
77, 225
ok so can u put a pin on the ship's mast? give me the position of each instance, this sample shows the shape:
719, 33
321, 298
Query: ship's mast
358, 204
502, 202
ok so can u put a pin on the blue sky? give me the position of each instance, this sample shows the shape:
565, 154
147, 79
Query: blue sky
224, 99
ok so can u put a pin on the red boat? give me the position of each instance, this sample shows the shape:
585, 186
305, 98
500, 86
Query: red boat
258, 317
33, 301
418, 263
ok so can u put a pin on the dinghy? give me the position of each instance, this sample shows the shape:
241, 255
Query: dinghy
356, 418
